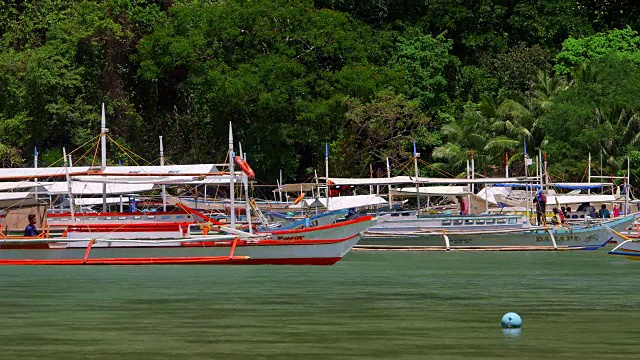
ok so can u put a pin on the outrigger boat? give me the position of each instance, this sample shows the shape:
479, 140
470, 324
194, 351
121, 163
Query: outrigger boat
629, 245
171, 242
81, 246
482, 232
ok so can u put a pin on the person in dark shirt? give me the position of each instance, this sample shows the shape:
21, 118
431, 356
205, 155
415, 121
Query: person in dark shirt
30, 230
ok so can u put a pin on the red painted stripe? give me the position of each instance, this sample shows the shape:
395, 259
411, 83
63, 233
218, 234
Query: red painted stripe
329, 226
267, 242
80, 215
210, 260
147, 227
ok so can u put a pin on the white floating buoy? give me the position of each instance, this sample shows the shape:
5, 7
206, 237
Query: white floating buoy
511, 320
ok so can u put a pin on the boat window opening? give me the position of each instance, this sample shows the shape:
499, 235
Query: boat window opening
164, 217
446, 222
179, 217
122, 218
457, 222
491, 221
93, 218
395, 214
512, 221
405, 214
501, 221
137, 218
108, 218
468, 222
151, 217
480, 222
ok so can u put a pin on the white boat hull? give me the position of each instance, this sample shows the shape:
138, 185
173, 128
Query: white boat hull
212, 249
582, 237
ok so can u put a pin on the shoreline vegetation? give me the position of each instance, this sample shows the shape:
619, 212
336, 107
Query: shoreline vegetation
369, 78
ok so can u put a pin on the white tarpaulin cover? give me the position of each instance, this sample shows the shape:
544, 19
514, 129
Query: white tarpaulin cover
431, 191
16, 199
85, 188
347, 202
45, 173
396, 180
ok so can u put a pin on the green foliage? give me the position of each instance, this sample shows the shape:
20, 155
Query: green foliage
383, 128
596, 115
623, 44
368, 77
426, 65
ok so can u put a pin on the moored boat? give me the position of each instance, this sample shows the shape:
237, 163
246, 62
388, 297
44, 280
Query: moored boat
236, 247
591, 236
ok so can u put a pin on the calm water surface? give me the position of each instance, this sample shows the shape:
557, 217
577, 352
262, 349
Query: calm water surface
371, 305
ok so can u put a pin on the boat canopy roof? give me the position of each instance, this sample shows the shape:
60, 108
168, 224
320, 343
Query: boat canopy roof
347, 202
580, 186
89, 188
49, 172
450, 190
17, 199
398, 180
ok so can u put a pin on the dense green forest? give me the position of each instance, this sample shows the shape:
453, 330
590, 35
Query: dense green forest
369, 77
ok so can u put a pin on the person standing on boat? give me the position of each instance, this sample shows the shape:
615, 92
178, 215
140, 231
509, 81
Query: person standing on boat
464, 206
30, 230
541, 207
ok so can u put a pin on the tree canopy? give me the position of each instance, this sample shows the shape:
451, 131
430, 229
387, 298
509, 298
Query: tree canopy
368, 77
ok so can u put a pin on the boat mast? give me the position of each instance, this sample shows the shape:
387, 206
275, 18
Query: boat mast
626, 192
589, 174
35, 166
415, 165
164, 189
103, 141
232, 181
546, 169
69, 192
389, 185
280, 186
326, 170
541, 168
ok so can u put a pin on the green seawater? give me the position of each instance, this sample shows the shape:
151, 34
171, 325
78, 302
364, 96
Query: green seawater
370, 305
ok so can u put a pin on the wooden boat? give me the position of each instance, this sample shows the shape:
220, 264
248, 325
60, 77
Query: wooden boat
475, 236
311, 246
